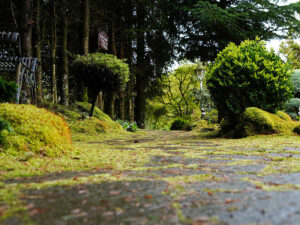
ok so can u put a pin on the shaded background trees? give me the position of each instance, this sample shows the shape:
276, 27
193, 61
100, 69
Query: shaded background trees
150, 35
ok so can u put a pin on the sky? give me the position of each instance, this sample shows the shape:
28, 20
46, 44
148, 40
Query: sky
276, 43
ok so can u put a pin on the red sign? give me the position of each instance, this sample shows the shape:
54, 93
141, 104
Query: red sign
102, 40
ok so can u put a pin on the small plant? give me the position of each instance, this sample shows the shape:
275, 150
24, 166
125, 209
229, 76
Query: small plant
7, 91
132, 127
4, 125
178, 124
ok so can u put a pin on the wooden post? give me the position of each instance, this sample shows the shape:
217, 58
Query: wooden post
19, 82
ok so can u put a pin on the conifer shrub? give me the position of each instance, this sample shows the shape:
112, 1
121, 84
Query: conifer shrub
248, 75
33, 131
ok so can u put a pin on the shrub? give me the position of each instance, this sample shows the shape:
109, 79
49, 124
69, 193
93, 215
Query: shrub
35, 131
292, 107
179, 124
7, 91
212, 116
128, 126
100, 71
296, 82
297, 129
248, 75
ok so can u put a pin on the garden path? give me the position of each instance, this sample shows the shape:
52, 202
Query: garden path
186, 180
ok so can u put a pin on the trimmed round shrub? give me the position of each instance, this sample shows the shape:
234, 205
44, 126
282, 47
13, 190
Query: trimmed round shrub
100, 71
178, 124
34, 131
248, 75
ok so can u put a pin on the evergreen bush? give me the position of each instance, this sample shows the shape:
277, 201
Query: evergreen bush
248, 75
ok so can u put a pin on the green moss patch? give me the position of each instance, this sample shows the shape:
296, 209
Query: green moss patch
34, 131
284, 116
76, 116
256, 121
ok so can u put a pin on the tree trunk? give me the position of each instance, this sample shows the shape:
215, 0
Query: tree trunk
53, 53
100, 101
25, 28
131, 109
64, 56
140, 74
111, 106
85, 5
25, 25
121, 93
94, 99
85, 16
121, 105
113, 39
37, 50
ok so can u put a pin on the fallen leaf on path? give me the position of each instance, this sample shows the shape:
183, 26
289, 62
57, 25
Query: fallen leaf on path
148, 196
210, 193
114, 192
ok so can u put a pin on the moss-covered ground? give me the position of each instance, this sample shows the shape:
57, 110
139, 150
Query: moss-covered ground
156, 177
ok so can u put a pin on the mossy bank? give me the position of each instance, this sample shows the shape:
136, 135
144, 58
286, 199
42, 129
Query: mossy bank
33, 131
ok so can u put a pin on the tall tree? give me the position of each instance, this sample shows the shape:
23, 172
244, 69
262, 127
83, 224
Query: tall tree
291, 51
37, 48
211, 25
140, 73
64, 55
85, 6
53, 53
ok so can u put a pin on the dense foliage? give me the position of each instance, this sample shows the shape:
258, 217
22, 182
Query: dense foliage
248, 75
179, 124
291, 51
296, 82
292, 107
101, 72
180, 96
7, 90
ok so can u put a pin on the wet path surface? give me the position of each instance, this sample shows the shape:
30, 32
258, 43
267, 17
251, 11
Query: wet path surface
186, 181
